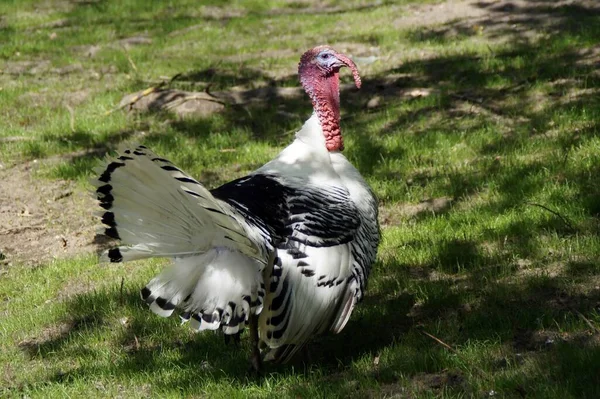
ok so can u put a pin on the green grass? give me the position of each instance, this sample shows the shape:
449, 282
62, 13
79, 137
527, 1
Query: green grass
507, 275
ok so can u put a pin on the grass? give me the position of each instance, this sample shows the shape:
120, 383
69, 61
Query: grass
506, 274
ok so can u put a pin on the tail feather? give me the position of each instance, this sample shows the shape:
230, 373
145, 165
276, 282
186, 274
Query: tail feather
155, 209
213, 289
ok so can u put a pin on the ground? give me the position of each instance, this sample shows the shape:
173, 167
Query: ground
43, 201
477, 127
41, 219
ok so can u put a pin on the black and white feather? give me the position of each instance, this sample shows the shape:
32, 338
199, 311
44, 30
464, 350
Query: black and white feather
156, 210
292, 242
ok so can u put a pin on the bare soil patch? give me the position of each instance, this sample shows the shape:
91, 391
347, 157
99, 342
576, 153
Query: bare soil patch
539, 340
41, 220
500, 20
396, 214
53, 100
426, 382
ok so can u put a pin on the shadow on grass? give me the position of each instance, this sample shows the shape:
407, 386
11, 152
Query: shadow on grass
457, 310
526, 94
519, 22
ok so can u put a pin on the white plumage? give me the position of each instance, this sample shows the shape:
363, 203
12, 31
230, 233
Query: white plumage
290, 244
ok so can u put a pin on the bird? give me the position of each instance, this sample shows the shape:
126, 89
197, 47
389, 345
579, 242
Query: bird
285, 250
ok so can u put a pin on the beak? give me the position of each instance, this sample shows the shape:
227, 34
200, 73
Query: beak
345, 61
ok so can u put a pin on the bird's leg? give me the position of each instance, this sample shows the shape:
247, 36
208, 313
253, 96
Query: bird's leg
256, 359
233, 337
306, 356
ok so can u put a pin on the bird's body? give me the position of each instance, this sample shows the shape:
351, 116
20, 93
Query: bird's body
290, 244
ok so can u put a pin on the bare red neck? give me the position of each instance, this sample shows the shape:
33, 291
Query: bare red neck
324, 93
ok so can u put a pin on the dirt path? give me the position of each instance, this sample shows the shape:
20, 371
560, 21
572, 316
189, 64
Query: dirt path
42, 219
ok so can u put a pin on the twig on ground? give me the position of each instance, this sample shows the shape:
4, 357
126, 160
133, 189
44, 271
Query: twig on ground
207, 89
451, 349
62, 195
135, 99
439, 341
174, 78
143, 94
564, 219
587, 321
129, 58
184, 99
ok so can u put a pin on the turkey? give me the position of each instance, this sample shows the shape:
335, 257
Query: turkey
286, 249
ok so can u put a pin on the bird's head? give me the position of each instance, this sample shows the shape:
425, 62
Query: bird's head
321, 63
319, 74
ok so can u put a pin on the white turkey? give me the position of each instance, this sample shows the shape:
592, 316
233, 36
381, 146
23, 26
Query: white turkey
286, 249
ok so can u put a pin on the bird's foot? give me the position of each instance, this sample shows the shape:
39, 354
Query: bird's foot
306, 356
256, 363
233, 338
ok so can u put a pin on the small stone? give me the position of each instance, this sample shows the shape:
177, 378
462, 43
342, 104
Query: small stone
92, 51
374, 102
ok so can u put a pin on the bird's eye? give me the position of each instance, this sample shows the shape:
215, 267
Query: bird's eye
325, 56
